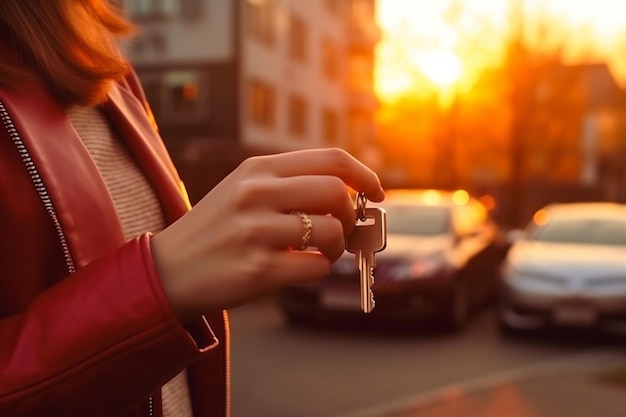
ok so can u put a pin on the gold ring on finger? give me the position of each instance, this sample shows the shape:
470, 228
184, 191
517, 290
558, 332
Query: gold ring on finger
308, 229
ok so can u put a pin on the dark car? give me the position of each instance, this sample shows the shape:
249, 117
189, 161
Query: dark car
441, 263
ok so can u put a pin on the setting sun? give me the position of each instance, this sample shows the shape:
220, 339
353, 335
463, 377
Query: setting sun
425, 45
441, 67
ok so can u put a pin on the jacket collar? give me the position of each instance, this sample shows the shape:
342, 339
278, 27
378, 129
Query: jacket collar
77, 191
136, 126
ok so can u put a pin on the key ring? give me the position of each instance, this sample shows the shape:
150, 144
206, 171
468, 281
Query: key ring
361, 201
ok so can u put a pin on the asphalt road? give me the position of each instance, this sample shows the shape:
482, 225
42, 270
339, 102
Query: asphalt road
284, 371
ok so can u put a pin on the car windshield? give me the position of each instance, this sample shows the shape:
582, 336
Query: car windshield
417, 220
587, 231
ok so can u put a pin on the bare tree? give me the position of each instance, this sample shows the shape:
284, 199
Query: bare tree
529, 51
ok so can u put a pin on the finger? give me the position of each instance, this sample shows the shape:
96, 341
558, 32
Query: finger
300, 267
282, 231
326, 236
276, 270
328, 161
309, 194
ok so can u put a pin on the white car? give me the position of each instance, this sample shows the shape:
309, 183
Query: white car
567, 269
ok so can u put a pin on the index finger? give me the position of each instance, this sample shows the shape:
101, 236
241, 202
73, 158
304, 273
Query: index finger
329, 161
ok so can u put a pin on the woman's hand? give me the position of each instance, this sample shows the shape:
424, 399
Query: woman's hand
234, 245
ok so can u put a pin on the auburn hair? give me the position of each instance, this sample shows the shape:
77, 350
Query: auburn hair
72, 46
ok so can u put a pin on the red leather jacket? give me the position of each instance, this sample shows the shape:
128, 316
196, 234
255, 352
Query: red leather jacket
85, 327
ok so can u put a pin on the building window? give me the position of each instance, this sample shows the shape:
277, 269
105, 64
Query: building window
151, 10
154, 41
260, 21
298, 39
191, 9
298, 116
261, 103
361, 72
330, 60
182, 90
330, 127
175, 93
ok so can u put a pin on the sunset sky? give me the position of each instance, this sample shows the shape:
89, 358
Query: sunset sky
424, 43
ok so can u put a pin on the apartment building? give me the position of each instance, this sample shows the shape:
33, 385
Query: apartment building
260, 76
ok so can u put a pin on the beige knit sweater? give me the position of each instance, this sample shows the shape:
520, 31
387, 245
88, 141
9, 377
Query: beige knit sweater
138, 209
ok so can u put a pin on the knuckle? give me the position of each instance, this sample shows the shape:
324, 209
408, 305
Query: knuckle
340, 157
332, 243
336, 189
335, 231
259, 265
249, 191
250, 230
256, 165
262, 163
251, 163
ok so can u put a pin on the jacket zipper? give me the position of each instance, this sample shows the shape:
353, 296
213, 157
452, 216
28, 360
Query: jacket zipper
38, 183
45, 198
150, 407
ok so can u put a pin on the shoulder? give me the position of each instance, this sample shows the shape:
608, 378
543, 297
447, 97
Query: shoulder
131, 84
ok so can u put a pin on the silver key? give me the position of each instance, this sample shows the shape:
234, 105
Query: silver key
368, 237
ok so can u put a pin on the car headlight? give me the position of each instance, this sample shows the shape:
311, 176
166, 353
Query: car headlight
421, 268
